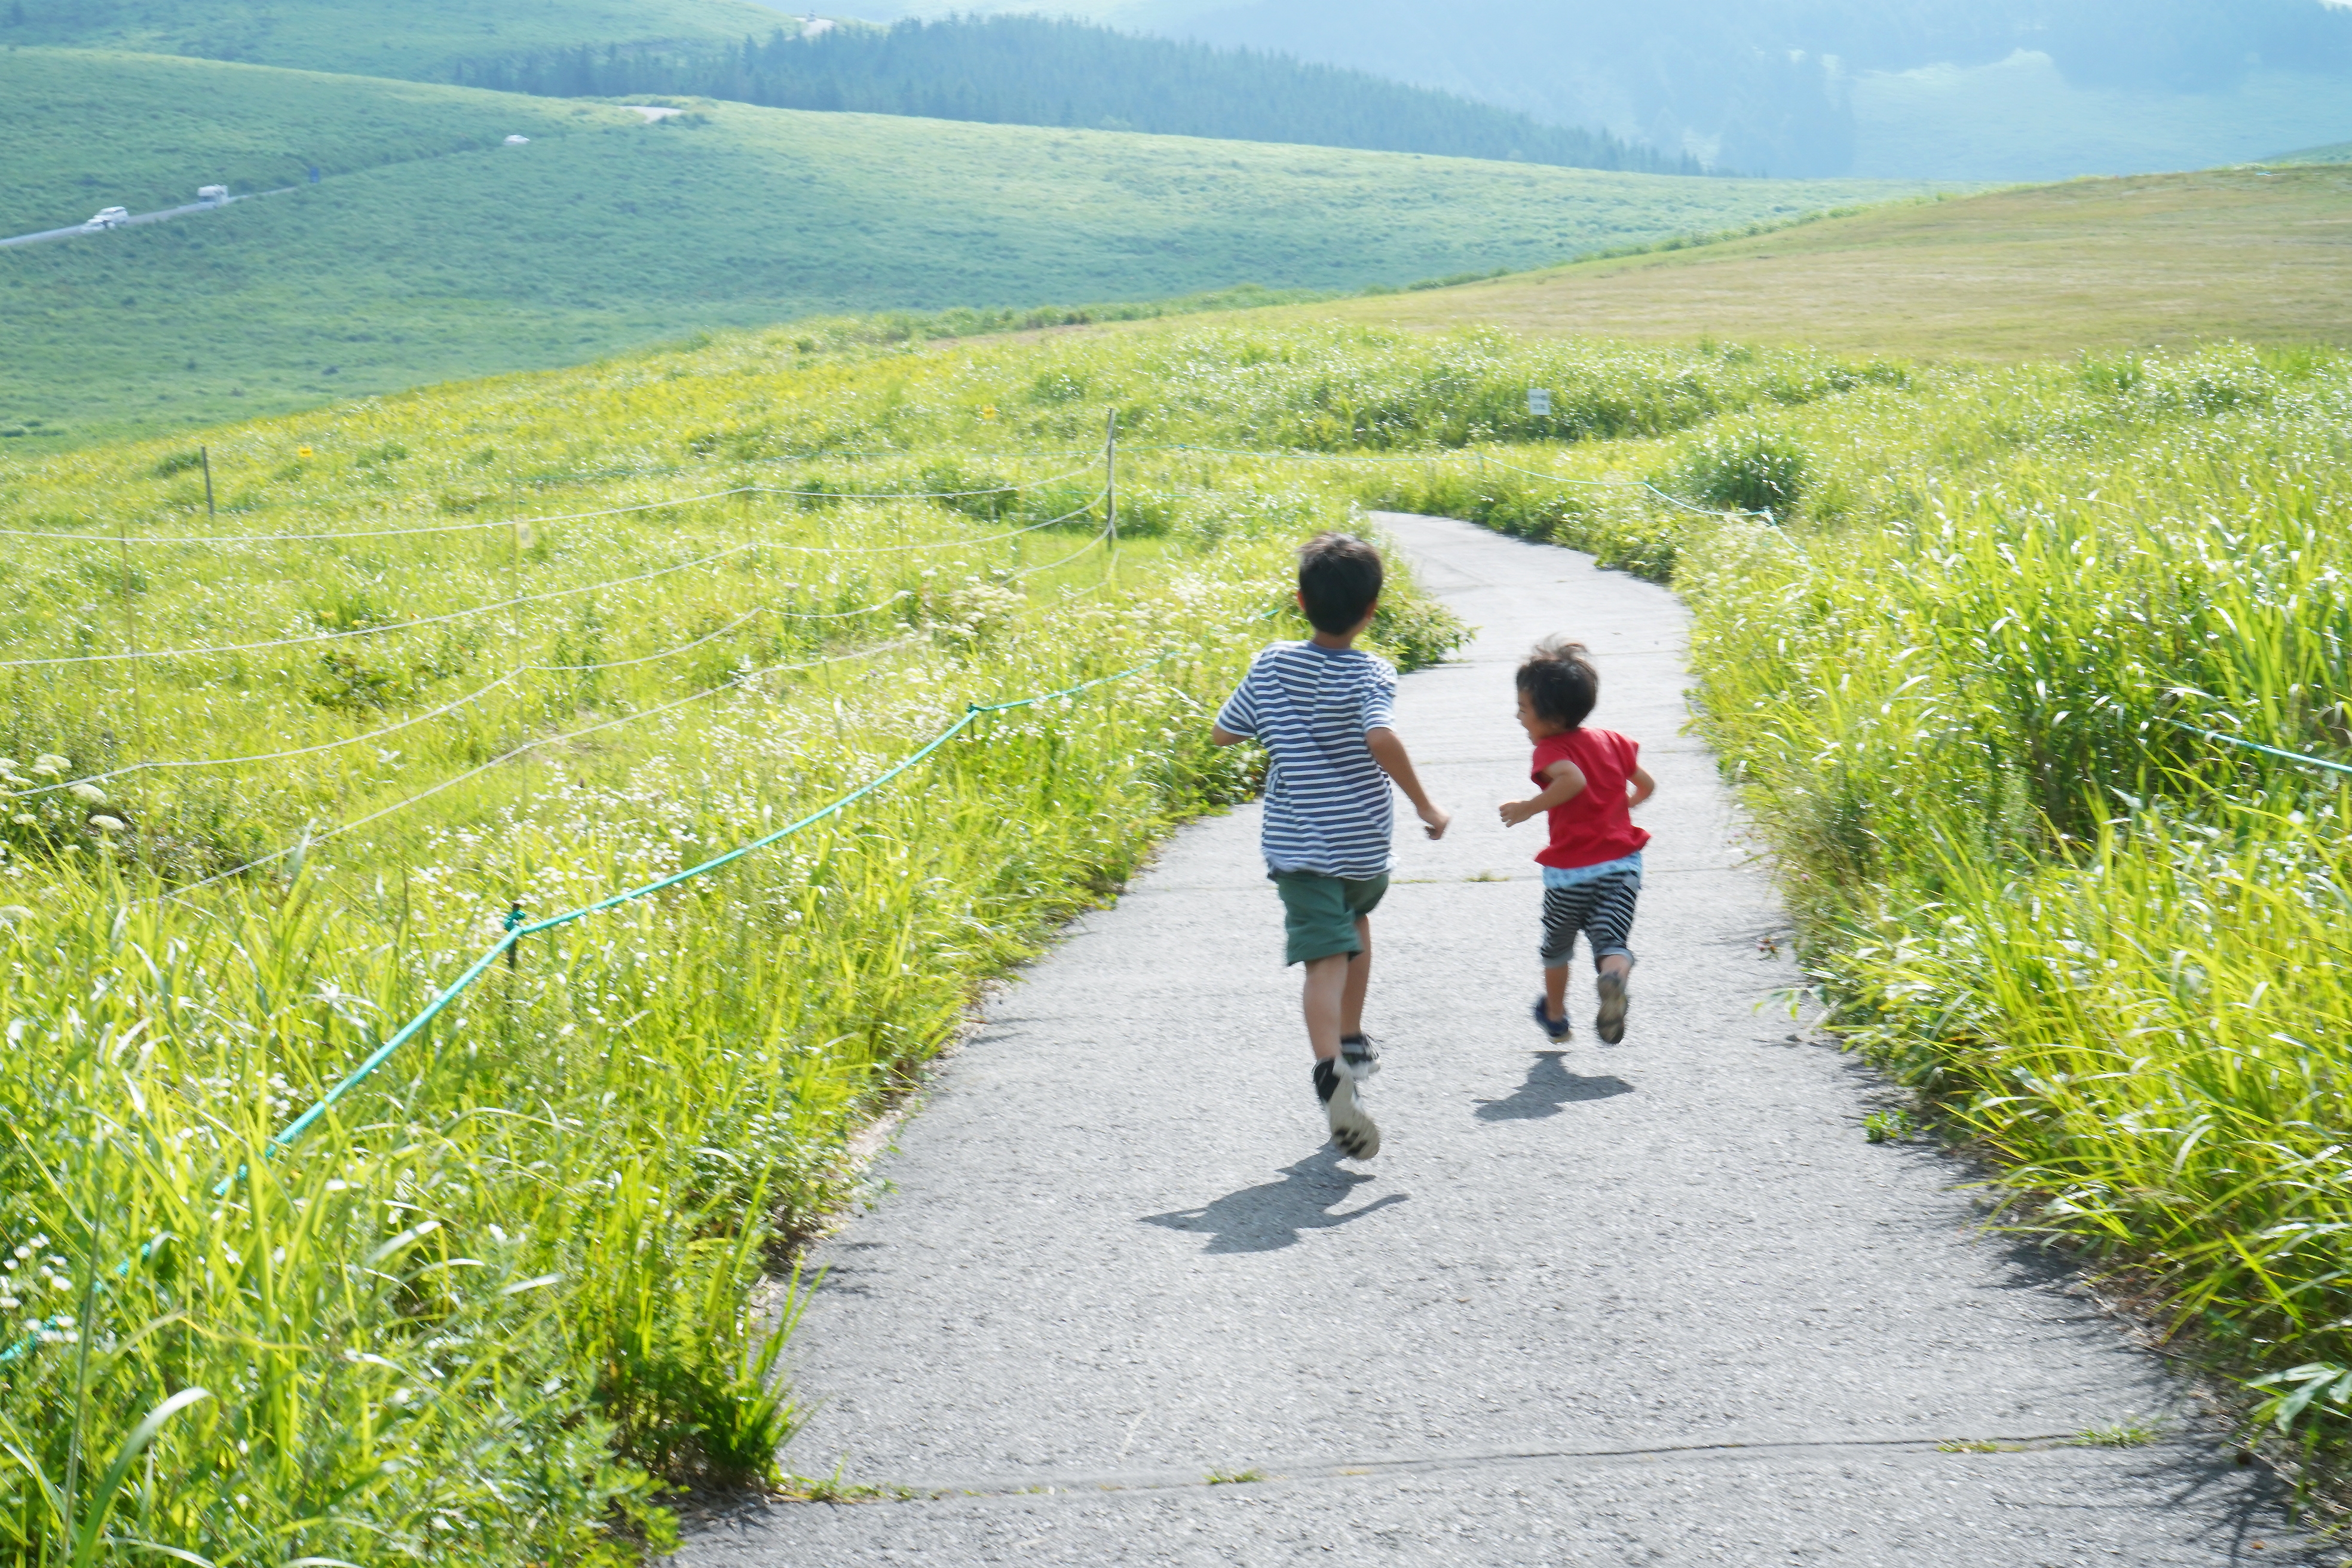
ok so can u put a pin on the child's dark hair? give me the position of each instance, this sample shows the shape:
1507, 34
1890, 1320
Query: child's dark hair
1561, 682
1339, 578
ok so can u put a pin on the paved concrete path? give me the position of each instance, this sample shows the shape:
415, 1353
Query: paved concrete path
1656, 1303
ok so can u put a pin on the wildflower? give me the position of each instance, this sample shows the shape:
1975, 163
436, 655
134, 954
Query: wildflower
26, 819
108, 824
88, 792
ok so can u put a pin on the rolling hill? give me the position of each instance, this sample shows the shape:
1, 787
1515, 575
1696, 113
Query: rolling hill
2136, 262
610, 236
91, 129
418, 40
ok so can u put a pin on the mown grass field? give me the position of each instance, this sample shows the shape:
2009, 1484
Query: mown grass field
419, 39
90, 128
2158, 260
604, 239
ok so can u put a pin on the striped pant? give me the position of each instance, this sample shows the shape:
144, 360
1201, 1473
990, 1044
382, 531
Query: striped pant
1602, 909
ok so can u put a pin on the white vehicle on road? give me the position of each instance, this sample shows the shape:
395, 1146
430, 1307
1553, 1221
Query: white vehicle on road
108, 217
212, 196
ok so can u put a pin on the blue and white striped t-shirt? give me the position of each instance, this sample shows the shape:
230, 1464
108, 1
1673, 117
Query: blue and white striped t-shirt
1327, 807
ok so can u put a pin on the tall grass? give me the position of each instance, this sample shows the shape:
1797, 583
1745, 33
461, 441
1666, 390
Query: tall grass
1978, 681
535, 1271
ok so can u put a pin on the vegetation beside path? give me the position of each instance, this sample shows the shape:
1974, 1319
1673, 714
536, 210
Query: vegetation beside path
518, 1282
1998, 678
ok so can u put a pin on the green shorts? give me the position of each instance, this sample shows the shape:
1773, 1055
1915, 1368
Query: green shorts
1320, 913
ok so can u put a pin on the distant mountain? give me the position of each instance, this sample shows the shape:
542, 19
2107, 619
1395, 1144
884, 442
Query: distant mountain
1958, 88
1033, 70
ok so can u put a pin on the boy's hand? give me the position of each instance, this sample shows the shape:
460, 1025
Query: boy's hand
1433, 822
1517, 811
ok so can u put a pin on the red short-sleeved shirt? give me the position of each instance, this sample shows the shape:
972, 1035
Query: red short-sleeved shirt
1597, 825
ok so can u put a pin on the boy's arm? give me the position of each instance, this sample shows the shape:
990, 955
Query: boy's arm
1221, 736
1389, 752
1568, 781
1644, 786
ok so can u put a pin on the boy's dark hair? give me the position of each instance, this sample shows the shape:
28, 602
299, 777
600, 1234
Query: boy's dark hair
1339, 578
1561, 682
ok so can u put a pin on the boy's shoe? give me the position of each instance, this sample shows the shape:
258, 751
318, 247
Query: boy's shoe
1359, 1056
1609, 1021
1555, 1029
1357, 1135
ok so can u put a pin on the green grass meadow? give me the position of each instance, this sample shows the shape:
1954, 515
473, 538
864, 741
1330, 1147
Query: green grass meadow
91, 129
606, 237
420, 39
534, 1271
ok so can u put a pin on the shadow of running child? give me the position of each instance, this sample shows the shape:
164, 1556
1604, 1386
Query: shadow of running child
1549, 1087
1270, 1217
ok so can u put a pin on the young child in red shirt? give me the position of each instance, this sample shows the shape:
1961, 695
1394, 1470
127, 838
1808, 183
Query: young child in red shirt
1591, 780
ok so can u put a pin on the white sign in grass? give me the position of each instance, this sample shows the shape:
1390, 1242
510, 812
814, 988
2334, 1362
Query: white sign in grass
1540, 400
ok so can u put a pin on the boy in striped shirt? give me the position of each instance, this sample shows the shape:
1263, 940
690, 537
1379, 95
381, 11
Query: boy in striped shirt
1322, 711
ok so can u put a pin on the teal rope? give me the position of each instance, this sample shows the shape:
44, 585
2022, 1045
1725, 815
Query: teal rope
2258, 746
517, 928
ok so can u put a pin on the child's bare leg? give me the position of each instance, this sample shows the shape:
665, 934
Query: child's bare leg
1360, 980
1556, 991
1616, 964
1323, 996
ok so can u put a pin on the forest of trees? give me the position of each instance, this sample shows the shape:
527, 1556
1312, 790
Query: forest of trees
1033, 70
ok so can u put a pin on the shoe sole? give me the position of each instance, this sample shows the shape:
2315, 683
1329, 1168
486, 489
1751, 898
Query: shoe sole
1609, 1021
1357, 1135
1359, 1071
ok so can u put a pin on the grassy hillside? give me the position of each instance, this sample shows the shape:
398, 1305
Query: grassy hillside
414, 39
522, 1276
2338, 153
2159, 260
603, 239
90, 129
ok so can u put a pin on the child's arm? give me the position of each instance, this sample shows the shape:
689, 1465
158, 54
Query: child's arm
1644, 786
1567, 783
1221, 736
1389, 752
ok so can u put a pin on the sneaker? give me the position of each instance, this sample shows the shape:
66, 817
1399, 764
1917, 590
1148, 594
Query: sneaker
1359, 1056
1357, 1135
1609, 1021
1555, 1029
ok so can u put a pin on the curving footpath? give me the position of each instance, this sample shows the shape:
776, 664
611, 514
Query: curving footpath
1656, 1303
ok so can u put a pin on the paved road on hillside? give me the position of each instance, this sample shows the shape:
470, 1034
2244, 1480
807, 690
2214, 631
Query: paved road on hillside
78, 230
1657, 1303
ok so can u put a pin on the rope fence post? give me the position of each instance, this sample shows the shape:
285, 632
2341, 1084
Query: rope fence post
205, 456
1110, 484
514, 920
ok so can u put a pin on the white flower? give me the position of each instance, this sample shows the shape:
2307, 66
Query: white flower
50, 762
88, 792
108, 824
26, 819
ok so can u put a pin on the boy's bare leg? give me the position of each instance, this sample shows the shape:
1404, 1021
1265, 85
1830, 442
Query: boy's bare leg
1556, 991
1616, 964
1360, 980
1324, 995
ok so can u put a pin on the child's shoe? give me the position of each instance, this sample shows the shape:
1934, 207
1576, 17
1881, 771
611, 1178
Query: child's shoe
1609, 1021
1357, 1135
1359, 1056
1555, 1028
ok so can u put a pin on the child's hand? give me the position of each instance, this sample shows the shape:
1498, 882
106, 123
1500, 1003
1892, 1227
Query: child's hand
1517, 811
1434, 821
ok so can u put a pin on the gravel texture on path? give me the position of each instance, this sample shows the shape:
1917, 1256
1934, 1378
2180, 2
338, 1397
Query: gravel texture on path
1654, 1303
